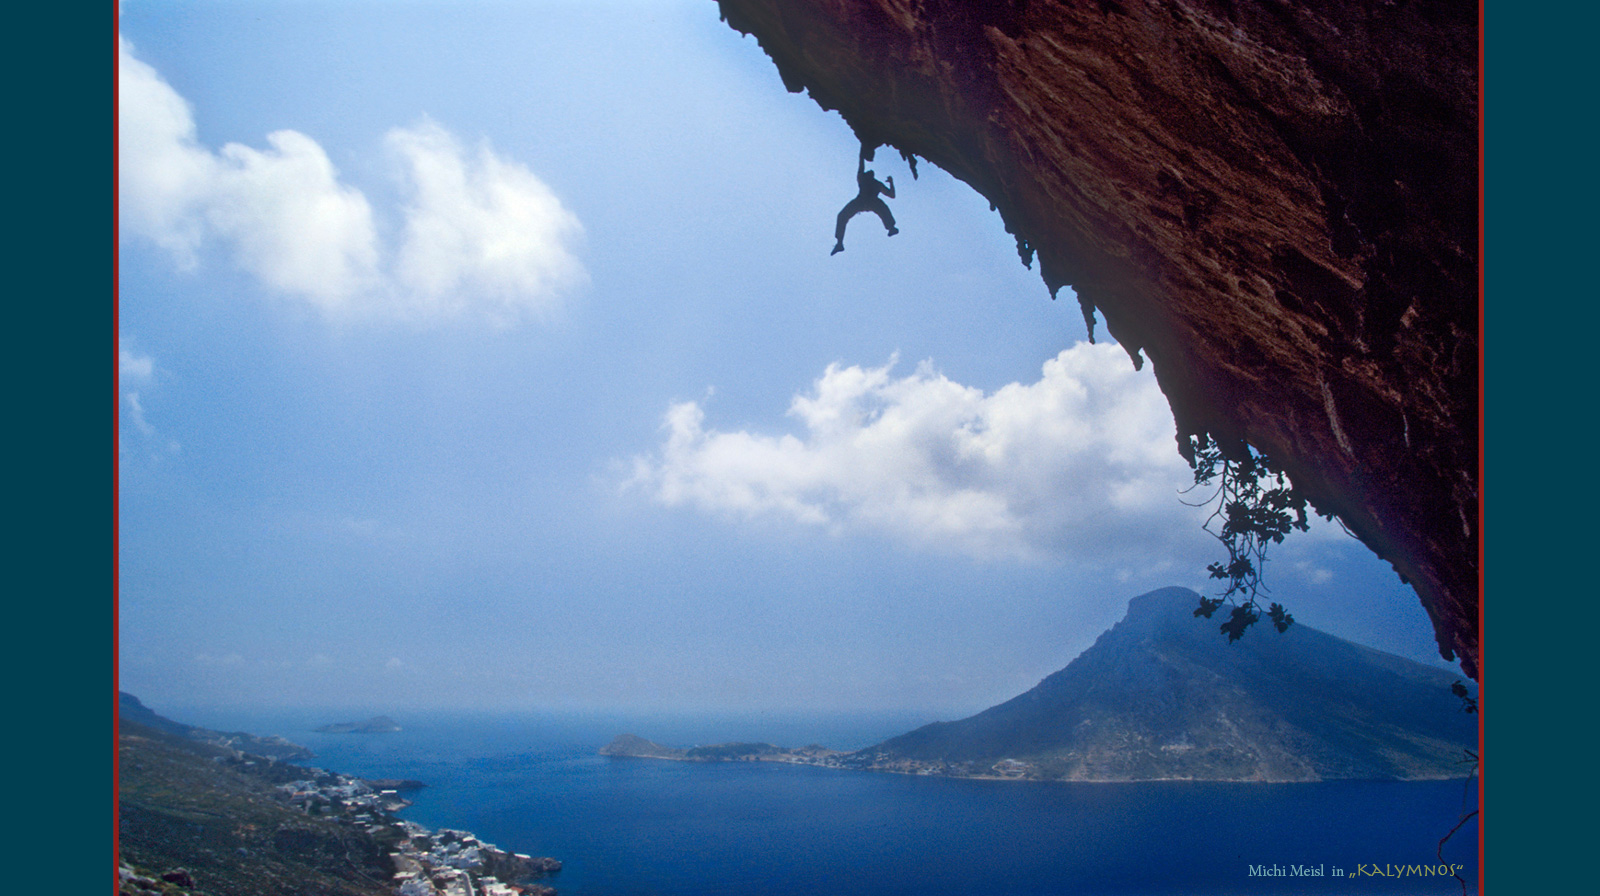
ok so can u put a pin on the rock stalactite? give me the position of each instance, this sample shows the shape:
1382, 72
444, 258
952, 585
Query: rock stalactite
1274, 203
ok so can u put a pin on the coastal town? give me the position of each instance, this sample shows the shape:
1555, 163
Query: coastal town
422, 862
427, 863
291, 827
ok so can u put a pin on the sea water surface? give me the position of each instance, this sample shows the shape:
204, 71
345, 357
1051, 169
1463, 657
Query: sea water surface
534, 783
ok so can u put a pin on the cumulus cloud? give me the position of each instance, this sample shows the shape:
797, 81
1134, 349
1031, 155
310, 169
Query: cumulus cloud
163, 174
1079, 465
479, 226
480, 235
291, 223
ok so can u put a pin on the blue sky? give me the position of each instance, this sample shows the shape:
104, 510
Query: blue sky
491, 355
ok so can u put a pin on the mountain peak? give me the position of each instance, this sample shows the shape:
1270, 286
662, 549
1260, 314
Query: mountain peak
1163, 694
1162, 608
1161, 600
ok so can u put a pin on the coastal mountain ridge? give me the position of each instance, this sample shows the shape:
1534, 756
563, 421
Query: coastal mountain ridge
1163, 695
129, 709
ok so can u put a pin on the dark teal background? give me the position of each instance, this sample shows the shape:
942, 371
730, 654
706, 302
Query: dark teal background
1540, 434
60, 437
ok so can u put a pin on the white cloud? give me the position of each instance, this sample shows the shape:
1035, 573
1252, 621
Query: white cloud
291, 223
135, 373
136, 413
133, 366
480, 235
1080, 464
163, 174
481, 226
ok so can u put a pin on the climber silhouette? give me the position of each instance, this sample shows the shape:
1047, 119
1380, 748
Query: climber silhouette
866, 201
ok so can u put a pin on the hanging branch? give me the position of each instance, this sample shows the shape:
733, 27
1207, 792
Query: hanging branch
1256, 506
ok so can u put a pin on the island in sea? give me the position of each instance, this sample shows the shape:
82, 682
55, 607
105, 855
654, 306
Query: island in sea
374, 725
1163, 696
635, 747
202, 811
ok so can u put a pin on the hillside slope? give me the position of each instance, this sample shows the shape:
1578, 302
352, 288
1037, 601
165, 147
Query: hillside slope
216, 815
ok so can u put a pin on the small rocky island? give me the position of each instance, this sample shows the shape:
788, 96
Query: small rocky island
374, 725
635, 747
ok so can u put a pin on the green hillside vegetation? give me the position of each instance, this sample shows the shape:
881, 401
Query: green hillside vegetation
213, 813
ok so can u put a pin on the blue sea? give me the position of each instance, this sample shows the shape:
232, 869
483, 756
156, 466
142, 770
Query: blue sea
534, 783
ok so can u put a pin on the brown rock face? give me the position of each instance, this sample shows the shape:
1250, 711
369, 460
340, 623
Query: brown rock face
1275, 203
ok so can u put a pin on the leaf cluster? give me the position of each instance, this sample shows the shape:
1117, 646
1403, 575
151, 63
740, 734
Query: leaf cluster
1256, 506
